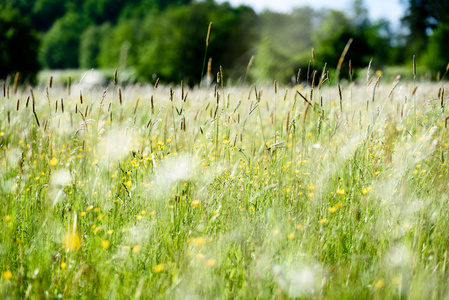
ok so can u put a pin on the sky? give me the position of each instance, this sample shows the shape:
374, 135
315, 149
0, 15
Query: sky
391, 10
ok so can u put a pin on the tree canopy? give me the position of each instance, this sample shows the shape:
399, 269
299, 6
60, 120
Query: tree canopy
18, 44
166, 38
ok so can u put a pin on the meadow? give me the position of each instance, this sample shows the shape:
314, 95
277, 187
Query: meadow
271, 192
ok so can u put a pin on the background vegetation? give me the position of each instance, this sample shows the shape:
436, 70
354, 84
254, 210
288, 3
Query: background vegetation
166, 39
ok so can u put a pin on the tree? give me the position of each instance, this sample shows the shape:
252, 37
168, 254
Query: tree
286, 43
60, 46
90, 45
18, 44
437, 57
174, 41
331, 39
421, 18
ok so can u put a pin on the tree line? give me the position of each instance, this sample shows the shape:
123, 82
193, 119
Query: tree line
166, 38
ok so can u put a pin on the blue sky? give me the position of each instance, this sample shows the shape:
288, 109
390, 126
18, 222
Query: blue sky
388, 9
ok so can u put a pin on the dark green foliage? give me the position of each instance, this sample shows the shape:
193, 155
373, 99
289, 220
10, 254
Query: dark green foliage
421, 18
18, 45
334, 34
60, 46
437, 51
90, 45
174, 42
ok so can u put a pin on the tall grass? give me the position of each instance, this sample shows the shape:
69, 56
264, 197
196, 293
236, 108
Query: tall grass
224, 195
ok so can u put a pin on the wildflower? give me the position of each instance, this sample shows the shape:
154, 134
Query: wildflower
63, 265
341, 191
291, 236
338, 205
136, 249
195, 203
7, 275
82, 214
299, 226
53, 162
197, 242
211, 262
379, 284
105, 244
275, 232
311, 187
322, 221
110, 231
366, 190
72, 241
332, 209
159, 268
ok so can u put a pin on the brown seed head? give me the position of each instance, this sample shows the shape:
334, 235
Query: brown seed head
208, 34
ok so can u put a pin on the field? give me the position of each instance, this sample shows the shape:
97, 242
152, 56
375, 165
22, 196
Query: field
142, 191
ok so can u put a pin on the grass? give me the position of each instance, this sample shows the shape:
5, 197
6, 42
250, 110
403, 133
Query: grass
238, 192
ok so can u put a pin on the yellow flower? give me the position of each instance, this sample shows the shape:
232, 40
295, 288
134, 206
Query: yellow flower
341, 191
322, 221
72, 241
211, 262
136, 249
82, 214
110, 231
299, 226
338, 205
63, 265
7, 275
159, 268
53, 162
311, 187
105, 244
332, 209
379, 284
197, 242
195, 203
366, 190
1, 133
275, 232
291, 236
